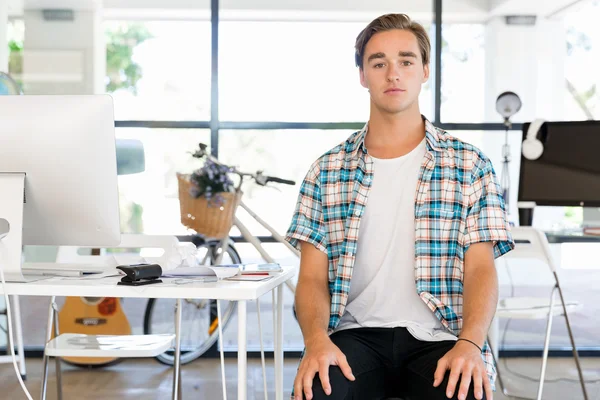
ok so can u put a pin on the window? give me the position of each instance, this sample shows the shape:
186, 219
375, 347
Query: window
293, 71
159, 70
463, 73
149, 200
582, 87
286, 154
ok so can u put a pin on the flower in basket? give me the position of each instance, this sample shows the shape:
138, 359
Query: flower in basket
210, 181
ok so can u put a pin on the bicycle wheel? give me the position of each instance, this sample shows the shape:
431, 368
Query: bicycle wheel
199, 322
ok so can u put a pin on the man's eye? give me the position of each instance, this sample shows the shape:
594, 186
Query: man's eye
378, 65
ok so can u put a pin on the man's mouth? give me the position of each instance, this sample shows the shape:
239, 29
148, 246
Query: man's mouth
395, 90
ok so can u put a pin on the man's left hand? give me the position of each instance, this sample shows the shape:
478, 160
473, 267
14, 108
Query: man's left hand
465, 363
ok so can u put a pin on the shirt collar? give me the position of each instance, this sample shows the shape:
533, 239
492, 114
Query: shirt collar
432, 134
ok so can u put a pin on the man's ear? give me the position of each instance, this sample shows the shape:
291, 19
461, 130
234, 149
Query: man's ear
363, 81
425, 73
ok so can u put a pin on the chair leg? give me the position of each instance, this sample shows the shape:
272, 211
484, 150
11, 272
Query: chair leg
498, 375
179, 392
502, 387
546, 344
571, 337
44, 378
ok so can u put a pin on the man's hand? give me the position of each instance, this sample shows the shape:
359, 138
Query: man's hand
464, 361
320, 354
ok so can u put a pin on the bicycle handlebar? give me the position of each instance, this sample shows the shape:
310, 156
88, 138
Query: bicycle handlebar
279, 180
258, 177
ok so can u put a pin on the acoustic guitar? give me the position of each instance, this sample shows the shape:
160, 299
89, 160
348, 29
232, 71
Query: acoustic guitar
92, 316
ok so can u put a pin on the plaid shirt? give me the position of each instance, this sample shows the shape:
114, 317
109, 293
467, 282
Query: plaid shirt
458, 202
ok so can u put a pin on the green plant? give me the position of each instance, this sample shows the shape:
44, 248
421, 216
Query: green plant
15, 60
15, 46
122, 72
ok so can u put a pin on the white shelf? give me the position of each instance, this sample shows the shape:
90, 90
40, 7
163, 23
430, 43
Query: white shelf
122, 346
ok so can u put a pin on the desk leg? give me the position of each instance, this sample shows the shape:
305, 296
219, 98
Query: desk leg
279, 346
46, 361
242, 351
19, 332
177, 367
58, 371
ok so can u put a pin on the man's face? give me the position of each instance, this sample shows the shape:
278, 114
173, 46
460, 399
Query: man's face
393, 70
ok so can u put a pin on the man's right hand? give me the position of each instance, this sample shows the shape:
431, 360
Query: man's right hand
320, 354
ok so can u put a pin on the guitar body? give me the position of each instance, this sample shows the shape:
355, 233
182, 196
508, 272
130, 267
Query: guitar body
92, 316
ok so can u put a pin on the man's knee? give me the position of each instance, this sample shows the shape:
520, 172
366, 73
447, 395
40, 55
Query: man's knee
419, 387
338, 383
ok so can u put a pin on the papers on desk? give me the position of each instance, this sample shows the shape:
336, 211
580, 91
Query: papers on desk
261, 271
253, 278
220, 271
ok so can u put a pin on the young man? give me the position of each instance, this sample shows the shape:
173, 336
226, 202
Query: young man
398, 229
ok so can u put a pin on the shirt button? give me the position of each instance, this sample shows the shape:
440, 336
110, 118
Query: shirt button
357, 213
367, 181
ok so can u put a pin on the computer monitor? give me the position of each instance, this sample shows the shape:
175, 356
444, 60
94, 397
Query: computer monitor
64, 147
568, 172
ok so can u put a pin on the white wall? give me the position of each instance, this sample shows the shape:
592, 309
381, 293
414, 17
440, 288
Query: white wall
528, 61
63, 57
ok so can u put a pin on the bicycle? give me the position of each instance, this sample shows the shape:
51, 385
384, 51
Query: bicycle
199, 317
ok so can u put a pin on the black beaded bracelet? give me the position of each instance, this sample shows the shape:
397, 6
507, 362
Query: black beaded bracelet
473, 343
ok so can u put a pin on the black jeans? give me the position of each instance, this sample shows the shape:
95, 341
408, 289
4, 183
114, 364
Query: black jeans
387, 362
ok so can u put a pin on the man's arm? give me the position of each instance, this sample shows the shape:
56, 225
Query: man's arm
480, 292
480, 296
312, 309
312, 294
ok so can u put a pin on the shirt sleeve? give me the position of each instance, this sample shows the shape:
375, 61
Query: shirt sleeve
307, 222
486, 216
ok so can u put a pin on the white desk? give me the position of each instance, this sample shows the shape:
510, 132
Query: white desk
239, 291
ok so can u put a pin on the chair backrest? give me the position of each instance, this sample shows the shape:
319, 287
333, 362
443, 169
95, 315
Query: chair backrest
531, 243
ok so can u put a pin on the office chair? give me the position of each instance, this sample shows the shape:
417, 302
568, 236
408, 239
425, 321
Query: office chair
532, 243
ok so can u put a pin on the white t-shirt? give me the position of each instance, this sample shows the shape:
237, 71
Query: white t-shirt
382, 290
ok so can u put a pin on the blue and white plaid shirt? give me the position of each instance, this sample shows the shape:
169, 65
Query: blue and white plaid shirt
458, 202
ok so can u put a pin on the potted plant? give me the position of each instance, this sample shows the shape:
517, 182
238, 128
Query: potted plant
207, 197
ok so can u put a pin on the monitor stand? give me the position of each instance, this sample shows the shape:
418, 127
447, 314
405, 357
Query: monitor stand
12, 196
526, 212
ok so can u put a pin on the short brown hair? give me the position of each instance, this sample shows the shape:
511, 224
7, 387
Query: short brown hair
389, 22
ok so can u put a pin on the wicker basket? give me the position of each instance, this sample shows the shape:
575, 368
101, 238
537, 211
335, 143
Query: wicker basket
196, 214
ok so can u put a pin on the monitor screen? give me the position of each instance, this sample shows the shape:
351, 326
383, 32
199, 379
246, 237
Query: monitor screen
568, 172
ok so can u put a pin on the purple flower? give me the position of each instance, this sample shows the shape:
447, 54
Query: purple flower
210, 181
